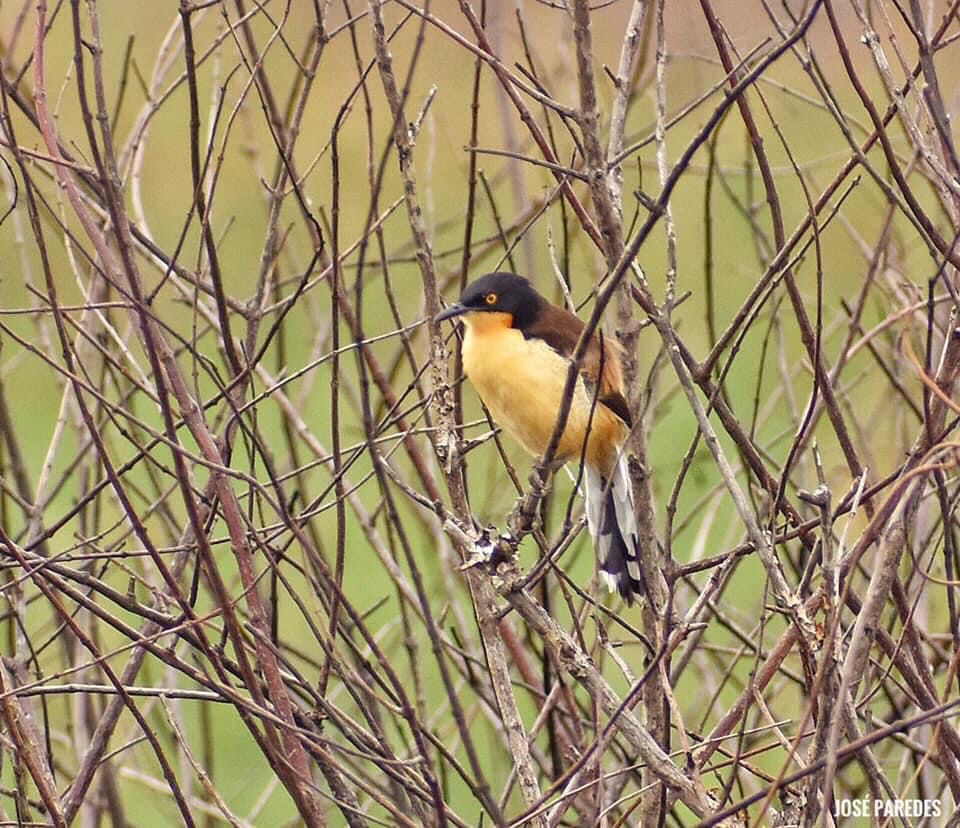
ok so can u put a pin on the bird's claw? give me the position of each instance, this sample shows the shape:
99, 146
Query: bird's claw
490, 549
482, 553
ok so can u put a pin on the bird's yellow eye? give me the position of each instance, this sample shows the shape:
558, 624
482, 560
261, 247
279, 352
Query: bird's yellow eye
490, 298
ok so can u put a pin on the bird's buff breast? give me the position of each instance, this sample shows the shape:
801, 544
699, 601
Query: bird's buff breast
521, 381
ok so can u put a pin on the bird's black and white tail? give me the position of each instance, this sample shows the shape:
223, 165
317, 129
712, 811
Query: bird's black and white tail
613, 525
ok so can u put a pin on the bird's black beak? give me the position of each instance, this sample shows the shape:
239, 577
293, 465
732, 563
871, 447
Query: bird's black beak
456, 309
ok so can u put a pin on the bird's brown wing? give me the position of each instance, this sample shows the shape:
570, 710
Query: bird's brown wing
561, 330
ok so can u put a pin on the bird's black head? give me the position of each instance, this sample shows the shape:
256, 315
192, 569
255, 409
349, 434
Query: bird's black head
499, 293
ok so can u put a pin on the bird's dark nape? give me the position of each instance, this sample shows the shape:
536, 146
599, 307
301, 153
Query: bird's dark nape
511, 294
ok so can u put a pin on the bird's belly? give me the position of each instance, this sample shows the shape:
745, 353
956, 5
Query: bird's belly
521, 381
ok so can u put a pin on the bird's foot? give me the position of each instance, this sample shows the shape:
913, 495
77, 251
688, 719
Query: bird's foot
482, 552
490, 549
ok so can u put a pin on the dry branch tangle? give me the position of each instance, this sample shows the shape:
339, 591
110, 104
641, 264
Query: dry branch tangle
256, 486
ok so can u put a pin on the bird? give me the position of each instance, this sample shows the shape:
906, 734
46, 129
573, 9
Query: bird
517, 349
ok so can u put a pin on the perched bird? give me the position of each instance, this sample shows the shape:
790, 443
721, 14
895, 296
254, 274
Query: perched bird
517, 350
